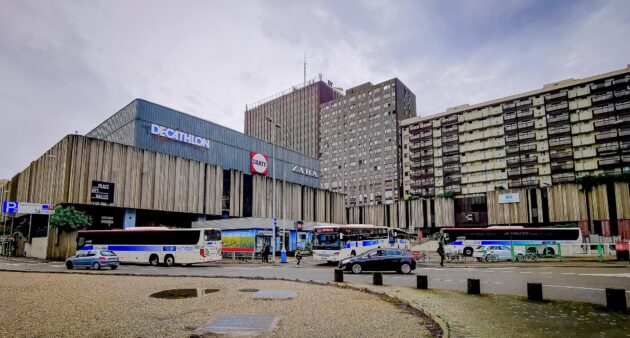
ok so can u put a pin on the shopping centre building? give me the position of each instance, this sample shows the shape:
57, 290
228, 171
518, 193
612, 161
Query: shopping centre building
149, 165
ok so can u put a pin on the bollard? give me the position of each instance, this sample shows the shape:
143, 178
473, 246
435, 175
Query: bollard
535, 292
474, 287
422, 282
339, 275
616, 299
377, 278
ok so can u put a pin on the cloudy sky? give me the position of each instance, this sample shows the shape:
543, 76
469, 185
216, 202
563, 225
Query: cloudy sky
65, 66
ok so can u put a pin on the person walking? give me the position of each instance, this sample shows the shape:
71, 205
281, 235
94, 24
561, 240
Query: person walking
440, 251
266, 253
263, 253
298, 256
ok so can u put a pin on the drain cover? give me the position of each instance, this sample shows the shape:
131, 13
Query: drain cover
175, 294
224, 324
274, 294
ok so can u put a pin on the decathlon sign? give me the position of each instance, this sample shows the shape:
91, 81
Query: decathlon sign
258, 163
180, 136
305, 171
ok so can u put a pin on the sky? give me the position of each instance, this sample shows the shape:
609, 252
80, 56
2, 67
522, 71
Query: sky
66, 66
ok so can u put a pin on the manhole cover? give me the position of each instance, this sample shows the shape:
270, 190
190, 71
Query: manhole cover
274, 294
231, 324
207, 291
175, 294
248, 290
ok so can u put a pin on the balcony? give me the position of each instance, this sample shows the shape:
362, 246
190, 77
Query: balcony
525, 124
525, 114
513, 161
414, 129
605, 110
454, 189
563, 178
529, 159
427, 182
527, 147
426, 134
608, 149
512, 149
449, 120
450, 139
622, 93
449, 130
529, 170
415, 157
414, 147
415, 165
562, 167
559, 155
622, 106
509, 117
452, 180
598, 87
558, 142
414, 138
515, 172
425, 125
562, 118
415, 175
556, 97
509, 107
515, 183
416, 185
609, 161
526, 136
557, 106
450, 149
625, 146
609, 135
525, 103
512, 127
559, 130
622, 81
599, 99
624, 132
451, 169
529, 183
607, 123
426, 163
511, 138
451, 159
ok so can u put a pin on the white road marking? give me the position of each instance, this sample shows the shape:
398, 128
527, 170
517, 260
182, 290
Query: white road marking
575, 287
568, 273
545, 273
623, 275
526, 272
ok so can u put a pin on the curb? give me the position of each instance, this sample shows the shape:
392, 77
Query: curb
418, 312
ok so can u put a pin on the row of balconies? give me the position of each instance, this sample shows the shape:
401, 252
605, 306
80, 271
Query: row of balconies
622, 81
559, 130
451, 129
524, 103
565, 166
556, 97
563, 178
562, 118
560, 141
557, 106
607, 123
601, 86
451, 159
450, 149
558, 155
449, 120
450, 139
599, 99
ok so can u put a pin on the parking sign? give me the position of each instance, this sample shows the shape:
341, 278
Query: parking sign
9, 207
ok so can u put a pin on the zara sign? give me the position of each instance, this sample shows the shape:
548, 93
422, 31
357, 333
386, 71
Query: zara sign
305, 171
258, 163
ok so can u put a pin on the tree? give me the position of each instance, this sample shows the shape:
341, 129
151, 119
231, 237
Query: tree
69, 219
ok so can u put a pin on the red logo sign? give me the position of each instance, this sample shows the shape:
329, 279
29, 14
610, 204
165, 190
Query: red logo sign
258, 163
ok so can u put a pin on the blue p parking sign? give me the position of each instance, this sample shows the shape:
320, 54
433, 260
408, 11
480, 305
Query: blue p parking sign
9, 207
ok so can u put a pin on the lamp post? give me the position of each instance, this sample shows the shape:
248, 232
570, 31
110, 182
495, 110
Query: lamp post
274, 125
49, 183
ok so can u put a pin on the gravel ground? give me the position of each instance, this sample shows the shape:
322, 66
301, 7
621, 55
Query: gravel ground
55, 305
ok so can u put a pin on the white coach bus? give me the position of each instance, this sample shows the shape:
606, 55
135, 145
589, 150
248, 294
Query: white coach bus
155, 245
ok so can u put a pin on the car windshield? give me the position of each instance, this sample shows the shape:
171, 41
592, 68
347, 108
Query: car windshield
108, 253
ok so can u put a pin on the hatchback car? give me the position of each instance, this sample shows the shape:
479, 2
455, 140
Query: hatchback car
93, 259
380, 260
495, 252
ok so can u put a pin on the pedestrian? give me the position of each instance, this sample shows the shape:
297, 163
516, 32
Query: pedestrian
267, 252
263, 253
440, 251
298, 256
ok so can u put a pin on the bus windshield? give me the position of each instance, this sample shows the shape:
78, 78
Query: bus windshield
326, 241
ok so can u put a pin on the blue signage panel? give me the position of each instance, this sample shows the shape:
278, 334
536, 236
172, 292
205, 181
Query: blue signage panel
9, 207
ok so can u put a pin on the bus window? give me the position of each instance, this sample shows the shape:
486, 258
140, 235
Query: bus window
212, 235
80, 242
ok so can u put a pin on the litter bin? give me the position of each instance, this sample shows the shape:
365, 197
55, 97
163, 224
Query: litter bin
622, 251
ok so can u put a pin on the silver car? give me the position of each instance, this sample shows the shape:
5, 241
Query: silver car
93, 259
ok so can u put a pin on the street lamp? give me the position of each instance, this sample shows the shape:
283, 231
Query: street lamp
274, 125
49, 183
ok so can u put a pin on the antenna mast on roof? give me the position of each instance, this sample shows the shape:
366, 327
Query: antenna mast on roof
304, 67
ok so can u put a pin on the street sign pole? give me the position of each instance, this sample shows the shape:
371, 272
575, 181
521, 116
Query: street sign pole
30, 222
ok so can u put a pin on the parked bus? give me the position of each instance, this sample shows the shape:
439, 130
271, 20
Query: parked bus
543, 240
155, 245
332, 243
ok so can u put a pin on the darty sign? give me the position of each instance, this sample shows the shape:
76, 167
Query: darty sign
179, 136
258, 163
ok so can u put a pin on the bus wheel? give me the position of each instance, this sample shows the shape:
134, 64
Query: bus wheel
468, 251
549, 251
154, 260
169, 260
353, 253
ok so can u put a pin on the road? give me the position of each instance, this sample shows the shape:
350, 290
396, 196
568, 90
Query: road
573, 282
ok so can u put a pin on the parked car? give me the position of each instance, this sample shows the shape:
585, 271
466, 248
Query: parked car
380, 260
94, 259
495, 252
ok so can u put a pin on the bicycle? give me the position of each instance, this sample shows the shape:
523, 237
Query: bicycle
422, 257
531, 256
491, 258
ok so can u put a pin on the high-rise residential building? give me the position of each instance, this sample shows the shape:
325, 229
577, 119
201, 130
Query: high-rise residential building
361, 143
296, 111
539, 138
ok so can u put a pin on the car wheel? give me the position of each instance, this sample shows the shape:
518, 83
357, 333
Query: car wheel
405, 268
154, 260
356, 268
468, 251
96, 266
113, 267
169, 260
69, 265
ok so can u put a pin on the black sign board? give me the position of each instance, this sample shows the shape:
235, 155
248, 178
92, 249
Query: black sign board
102, 192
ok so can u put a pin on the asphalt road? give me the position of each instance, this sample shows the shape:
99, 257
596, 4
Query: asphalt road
575, 282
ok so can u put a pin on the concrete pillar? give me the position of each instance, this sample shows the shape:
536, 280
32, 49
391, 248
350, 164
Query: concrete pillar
616, 299
377, 278
474, 287
130, 218
535, 292
338, 275
422, 282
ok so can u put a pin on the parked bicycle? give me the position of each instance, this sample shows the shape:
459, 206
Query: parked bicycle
531, 257
455, 257
421, 257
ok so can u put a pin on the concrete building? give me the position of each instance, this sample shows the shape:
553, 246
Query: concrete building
534, 142
360, 142
154, 166
296, 110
